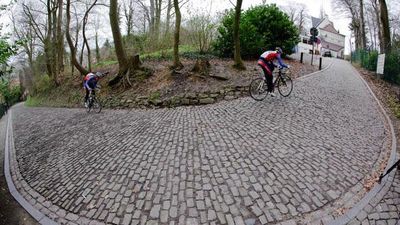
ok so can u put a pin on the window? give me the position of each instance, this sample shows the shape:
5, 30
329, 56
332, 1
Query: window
305, 41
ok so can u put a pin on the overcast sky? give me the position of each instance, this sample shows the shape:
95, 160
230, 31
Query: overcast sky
314, 7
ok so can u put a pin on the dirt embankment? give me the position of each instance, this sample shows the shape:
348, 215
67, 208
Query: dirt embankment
169, 88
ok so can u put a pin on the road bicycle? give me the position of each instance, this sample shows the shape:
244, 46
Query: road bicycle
93, 104
283, 82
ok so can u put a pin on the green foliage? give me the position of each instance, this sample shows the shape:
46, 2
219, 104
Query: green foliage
154, 96
135, 43
367, 59
262, 28
106, 63
33, 101
43, 84
392, 68
10, 94
372, 61
395, 106
6, 51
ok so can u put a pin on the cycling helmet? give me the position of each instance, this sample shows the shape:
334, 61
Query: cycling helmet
279, 50
98, 74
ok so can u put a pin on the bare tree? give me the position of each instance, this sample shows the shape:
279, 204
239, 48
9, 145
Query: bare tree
297, 13
72, 46
168, 17
178, 18
202, 30
85, 21
385, 26
126, 66
351, 8
96, 28
238, 63
375, 6
48, 32
363, 37
24, 31
128, 8
119, 49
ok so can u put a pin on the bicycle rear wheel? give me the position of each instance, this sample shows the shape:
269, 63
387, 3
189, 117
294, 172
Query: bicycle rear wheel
285, 85
258, 89
96, 105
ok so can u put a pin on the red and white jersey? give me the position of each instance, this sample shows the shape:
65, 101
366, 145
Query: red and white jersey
270, 55
90, 76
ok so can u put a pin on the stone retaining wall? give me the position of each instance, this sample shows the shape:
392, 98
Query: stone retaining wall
228, 93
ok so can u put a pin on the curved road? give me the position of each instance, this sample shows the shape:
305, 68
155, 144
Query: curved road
239, 161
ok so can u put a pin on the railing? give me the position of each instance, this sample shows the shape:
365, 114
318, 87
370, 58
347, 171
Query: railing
397, 164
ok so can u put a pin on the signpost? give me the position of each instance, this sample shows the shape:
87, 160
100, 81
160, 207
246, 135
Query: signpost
313, 38
381, 64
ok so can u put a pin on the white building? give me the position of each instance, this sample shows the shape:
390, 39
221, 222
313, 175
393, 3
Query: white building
330, 39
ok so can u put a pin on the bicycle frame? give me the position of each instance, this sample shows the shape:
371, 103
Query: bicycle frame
279, 76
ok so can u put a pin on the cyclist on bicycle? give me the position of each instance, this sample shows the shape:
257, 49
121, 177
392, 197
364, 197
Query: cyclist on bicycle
90, 83
266, 61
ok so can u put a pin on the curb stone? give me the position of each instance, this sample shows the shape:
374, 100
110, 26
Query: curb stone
43, 211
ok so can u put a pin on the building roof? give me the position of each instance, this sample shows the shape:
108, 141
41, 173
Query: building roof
330, 46
316, 21
331, 28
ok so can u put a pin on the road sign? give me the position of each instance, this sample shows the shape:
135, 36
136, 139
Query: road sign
315, 40
381, 64
314, 31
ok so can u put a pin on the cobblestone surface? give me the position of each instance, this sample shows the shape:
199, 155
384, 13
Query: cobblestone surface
385, 212
236, 162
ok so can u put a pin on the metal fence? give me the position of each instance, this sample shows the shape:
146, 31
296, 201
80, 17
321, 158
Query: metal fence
368, 60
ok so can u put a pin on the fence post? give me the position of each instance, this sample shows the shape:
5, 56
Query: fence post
301, 57
320, 63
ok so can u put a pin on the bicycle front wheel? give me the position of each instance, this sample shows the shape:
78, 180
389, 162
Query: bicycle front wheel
285, 85
258, 89
88, 105
96, 106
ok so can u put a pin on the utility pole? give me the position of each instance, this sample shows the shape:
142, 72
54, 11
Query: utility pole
314, 34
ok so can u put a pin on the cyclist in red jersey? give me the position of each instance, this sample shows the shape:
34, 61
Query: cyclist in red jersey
90, 83
266, 61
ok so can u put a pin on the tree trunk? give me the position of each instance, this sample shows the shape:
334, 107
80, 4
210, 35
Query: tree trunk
128, 13
126, 67
119, 48
81, 54
362, 26
178, 17
157, 18
48, 48
85, 20
78, 66
168, 19
378, 23
97, 48
152, 16
60, 38
238, 63
385, 27
370, 28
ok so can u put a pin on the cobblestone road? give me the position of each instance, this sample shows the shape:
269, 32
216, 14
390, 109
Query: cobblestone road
237, 162
387, 211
